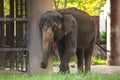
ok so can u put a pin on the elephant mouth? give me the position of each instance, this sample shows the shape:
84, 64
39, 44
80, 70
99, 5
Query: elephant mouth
43, 65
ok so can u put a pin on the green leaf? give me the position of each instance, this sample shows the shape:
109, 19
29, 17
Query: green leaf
93, 7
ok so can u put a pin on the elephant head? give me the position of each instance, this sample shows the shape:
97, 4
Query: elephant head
54, 26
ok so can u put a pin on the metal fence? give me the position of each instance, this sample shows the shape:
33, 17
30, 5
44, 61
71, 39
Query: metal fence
13, 35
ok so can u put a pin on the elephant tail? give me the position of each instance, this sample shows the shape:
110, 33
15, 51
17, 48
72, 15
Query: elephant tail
105, 50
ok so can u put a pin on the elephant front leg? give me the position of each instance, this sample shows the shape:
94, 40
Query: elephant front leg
69, 51
64, 66
70, 46
64, 62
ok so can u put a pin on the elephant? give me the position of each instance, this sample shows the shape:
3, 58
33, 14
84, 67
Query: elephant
73, 31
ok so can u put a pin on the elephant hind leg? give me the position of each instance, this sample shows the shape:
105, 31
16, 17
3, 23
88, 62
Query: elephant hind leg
87, 56
80, 58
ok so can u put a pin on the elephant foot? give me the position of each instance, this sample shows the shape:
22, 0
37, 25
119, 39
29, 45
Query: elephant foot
43, 65
64, 69
80, 71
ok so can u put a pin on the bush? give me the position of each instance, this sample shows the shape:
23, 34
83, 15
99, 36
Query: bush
103, 37
98, 60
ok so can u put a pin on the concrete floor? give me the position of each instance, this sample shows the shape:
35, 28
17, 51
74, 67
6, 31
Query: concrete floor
104, 69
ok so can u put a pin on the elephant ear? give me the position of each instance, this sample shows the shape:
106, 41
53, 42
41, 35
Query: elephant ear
69, 23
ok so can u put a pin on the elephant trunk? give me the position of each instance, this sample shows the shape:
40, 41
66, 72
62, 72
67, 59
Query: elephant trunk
44, 63
46, 54
47, 49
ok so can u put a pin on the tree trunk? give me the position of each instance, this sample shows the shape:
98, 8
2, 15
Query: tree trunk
65, 3
56, 4
114, 57
35, 9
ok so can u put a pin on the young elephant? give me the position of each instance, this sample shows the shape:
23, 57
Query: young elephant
73, 31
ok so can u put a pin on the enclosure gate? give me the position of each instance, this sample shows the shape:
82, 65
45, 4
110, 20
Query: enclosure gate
13, 35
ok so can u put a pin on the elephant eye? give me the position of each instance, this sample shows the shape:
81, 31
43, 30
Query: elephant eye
59, 26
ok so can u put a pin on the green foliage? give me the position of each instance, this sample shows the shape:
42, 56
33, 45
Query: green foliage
98, 61
93, 7
6, 7
7, 63
103, 37
59, 76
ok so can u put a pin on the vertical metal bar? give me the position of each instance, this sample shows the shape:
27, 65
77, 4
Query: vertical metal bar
25, 8
1, 32
21, 8
22, 61
26, 36
12, 34
27, 59
8, 36
17, 61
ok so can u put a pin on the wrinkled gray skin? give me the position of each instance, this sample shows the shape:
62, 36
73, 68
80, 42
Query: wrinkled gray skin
73, 31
